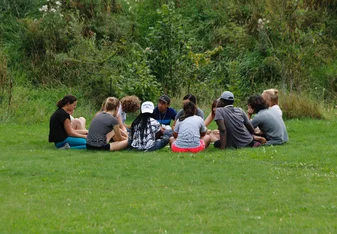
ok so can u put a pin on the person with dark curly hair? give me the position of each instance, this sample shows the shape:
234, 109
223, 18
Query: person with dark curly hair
269, 121
129, 104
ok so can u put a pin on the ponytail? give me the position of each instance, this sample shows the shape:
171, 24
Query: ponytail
65, 100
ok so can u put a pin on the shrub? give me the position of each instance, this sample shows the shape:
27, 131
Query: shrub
299, 105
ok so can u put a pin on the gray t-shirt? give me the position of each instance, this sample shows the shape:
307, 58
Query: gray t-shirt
181, 112
235, 120
189, 131
271, 124
101, 125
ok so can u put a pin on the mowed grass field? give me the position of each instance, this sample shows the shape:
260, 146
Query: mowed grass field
282, 189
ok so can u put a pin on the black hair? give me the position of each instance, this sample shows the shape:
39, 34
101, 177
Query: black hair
189, 109
191, 97
65, 100
223, 102
257, 103
144, 122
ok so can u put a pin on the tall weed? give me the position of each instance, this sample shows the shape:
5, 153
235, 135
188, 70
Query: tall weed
299, 106
30, 106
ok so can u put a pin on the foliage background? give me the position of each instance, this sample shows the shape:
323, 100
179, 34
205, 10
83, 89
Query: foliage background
148, 47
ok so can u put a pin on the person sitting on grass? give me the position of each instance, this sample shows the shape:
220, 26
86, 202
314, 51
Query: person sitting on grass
145, 132
186, 99
102, 124
189, 132
233, 123
60, 130
269, 121
271, 98
129, 104
214, 134
163, 113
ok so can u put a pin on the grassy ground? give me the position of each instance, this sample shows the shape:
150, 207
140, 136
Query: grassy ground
283, 189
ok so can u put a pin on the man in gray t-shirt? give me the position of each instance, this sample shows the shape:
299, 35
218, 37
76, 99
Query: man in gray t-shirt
233, 123
269, 121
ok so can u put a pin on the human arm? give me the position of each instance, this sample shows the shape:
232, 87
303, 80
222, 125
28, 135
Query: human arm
72, 132
247, 122
209, 119
223, 133
176, 117
120, 123
118, 135
82, 131
174, 124
176, 129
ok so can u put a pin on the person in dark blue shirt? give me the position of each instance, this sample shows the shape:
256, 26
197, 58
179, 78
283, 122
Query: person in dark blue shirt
163, 113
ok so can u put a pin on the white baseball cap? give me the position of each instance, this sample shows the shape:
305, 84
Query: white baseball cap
147, 107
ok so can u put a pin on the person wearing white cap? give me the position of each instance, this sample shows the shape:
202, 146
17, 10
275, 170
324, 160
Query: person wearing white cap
145, 132
233, 123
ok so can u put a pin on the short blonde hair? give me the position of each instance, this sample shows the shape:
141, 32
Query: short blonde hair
270, 96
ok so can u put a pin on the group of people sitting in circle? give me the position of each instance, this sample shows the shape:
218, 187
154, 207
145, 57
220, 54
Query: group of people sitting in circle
152, 128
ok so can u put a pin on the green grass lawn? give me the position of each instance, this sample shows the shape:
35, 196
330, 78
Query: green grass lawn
282, 189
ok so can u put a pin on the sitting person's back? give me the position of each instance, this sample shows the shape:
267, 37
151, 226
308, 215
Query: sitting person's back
189, 132
146, 132
269, 121
233, 123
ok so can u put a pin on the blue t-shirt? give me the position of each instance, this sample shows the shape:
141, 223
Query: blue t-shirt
166, 117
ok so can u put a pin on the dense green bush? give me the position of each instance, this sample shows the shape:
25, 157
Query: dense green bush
147, 47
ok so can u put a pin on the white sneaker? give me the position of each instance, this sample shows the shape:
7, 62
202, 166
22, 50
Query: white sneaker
66, 146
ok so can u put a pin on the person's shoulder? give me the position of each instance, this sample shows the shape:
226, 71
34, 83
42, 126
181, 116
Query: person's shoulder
197, 118
62, 112
155, 110
172, 113
200, 110
172, 110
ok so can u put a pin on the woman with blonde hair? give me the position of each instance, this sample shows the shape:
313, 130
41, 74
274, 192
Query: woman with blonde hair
103, 123
271, 98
